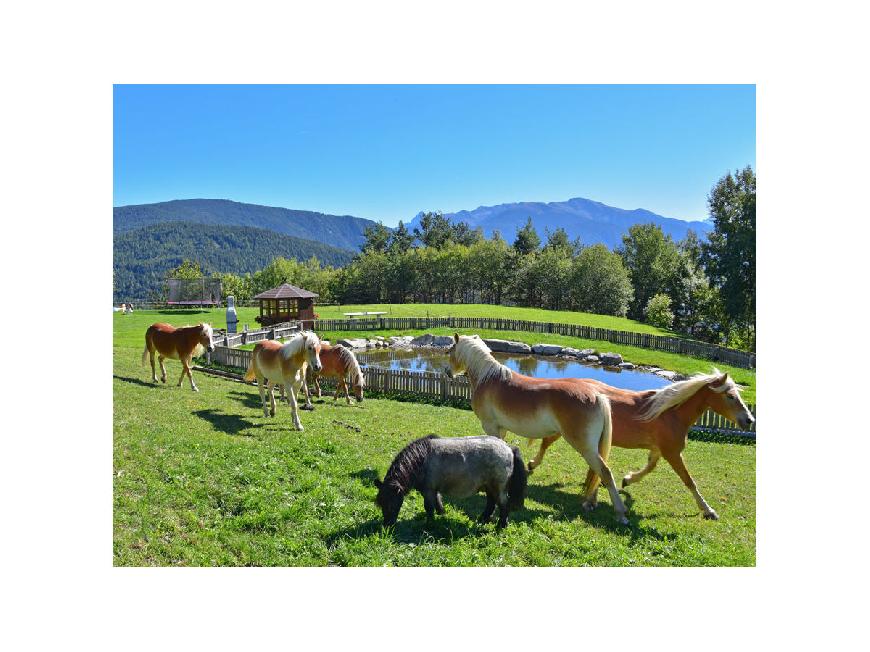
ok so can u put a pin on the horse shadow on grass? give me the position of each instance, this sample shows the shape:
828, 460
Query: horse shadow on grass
231, 424
135, 381
248, 399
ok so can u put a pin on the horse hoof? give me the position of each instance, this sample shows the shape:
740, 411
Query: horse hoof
622, 520
195, 389
588, 505
624, 482
711, 516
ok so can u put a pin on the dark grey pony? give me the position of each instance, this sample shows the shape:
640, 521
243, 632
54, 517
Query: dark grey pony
458, 467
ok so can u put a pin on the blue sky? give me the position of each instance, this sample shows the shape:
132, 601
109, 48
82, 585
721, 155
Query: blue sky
387, 152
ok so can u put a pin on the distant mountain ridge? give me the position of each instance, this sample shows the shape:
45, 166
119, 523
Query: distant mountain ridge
342, 231
143, 256
591, 221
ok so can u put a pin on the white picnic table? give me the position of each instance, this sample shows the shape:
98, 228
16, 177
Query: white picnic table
363, 314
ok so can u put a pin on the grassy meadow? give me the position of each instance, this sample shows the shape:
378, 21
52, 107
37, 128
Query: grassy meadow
204, 479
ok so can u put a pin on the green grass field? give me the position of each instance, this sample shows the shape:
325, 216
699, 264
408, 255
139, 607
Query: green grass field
204, 479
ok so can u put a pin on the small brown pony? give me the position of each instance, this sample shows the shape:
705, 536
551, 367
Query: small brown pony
182, 344
273, 363
339, 362
538, 408
659, 421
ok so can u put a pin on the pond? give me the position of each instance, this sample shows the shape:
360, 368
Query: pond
530, 365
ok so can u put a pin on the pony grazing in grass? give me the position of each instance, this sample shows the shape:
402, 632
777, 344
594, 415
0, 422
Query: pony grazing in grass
284, 364
537, 408
182, 344
340, 363
659, 421
458, 467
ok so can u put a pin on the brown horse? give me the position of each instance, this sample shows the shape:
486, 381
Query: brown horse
274, 363
659, 421
339, 362
176, 344
537, 408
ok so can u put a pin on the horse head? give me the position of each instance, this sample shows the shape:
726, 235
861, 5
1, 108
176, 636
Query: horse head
390, 501
205, 337
725, 400
312, 351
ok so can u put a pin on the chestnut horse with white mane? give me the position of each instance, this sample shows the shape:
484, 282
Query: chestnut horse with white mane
182, 344
284, 364
340, 363
659, 421
537, 408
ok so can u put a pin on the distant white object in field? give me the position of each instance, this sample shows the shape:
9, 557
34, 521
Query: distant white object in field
232, 318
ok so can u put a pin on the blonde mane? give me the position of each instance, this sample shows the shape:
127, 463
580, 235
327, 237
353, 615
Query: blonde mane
296, 343
680, 392
352, 365
478, 360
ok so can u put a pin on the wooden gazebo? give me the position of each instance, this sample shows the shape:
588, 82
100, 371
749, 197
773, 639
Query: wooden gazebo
286, 303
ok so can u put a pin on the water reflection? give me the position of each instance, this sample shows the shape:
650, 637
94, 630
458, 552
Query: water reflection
530, 365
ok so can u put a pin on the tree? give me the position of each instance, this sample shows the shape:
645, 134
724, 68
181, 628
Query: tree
377, 238
558, 240
658, 311
652, 260
463, 234
527, 240
435, 230
188, 269
401, 240
729, 255
599, 282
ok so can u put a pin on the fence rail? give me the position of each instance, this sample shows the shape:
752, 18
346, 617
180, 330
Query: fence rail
440, 386
713, 352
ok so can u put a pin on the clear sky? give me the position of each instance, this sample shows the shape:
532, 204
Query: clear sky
388, 152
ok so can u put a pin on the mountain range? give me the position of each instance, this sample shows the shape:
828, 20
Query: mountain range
591, 221
342, 231
229, 236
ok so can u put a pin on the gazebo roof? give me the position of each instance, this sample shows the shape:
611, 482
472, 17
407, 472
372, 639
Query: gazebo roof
286, 291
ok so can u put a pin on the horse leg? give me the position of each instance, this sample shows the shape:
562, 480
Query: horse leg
291, 397
430, 502
160, 359
489, 509
675, 459
346, 392
439, 503
502, 509
308, 405
153, 370
317, 385
637, 476
546, 442
183, 373
186, 364
587, 446
260, 382
270, 388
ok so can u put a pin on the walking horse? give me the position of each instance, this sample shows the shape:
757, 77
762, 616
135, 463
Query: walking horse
275, 363
182, 344
659, 421
537, 408
340, 363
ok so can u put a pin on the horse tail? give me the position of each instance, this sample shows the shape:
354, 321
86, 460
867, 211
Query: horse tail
518, 482
604, 444
147, 348
251, 373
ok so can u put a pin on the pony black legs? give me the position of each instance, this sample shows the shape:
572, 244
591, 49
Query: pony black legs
439, 504
430, 501
676, 461
488, 510
492, 500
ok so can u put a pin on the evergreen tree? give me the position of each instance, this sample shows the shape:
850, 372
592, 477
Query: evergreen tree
527, 240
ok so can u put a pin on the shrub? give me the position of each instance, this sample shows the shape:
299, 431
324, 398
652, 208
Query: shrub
658, 311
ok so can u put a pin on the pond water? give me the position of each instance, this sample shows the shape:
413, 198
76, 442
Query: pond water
529, 365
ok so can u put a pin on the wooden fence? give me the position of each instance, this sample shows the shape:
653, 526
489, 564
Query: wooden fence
643, 340
440, 386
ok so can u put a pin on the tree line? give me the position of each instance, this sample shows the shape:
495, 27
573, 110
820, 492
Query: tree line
704, 288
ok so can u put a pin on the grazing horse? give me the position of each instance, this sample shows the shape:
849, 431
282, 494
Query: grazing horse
659, 421
536, 408
284, 364
339, 362
458, 467
176, 344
